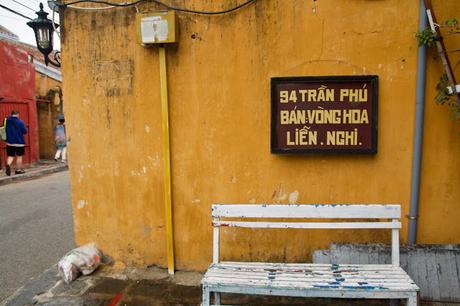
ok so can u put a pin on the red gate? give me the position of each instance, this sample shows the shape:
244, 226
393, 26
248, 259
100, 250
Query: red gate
17, 92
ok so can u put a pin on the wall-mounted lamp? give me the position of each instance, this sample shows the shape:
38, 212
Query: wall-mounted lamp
43, 28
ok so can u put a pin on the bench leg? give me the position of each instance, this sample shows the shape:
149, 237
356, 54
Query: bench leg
412, 300
206, 299
217, 298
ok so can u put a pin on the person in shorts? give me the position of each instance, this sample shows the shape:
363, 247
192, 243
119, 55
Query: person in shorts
15, 131
61, 140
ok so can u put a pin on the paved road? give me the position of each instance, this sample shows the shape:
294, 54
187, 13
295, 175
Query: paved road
36, 228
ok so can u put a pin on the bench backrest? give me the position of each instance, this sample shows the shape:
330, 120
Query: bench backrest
375, 214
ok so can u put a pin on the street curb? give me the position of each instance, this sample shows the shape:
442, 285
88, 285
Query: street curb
32, 174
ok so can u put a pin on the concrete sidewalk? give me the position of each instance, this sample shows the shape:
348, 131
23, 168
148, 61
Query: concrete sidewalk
36, 170
150, 286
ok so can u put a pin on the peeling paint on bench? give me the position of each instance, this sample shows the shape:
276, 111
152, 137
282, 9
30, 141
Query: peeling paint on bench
381, 281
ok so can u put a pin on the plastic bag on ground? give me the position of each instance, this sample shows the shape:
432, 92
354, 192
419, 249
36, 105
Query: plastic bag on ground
83, 260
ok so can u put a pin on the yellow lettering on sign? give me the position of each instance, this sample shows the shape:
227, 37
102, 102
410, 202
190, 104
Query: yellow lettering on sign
303, 93
299, 116
316, 95
355, 116
293, 96
329, 94
332, 116
284, 96
289, 142
284, 117
302, 137
342, 138
288, 96
321, 95
343, 94
363, 95
364, 118
312, 95
353, 95
292, 117
326, 116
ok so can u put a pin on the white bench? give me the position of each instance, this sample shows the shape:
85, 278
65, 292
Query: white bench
381, 281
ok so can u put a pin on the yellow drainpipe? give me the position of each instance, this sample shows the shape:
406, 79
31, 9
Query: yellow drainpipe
167, 160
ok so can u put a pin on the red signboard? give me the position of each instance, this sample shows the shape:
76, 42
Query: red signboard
332, 114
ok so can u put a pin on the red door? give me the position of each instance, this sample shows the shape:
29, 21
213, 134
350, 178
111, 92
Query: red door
23, 108
17, 92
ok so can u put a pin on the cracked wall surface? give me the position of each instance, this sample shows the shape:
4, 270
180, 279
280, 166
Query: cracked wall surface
219, 75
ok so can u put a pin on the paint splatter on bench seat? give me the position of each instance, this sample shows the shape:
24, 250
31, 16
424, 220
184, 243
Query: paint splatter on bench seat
309, 276
380, 281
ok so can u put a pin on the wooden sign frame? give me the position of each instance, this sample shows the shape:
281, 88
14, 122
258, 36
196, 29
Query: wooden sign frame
361, 134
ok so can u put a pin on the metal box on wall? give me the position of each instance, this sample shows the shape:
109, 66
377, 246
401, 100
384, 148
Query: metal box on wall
157, 27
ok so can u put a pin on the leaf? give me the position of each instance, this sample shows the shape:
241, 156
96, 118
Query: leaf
452, 24
443, 95
426, 37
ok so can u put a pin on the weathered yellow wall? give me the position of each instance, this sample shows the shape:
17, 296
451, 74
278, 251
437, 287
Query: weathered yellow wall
43, 84
219, 76
47, 89
440, 197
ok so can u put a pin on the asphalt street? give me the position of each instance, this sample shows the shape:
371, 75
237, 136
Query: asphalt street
36, 228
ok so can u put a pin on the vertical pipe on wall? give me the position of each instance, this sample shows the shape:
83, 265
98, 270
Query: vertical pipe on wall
418, 132
167, 160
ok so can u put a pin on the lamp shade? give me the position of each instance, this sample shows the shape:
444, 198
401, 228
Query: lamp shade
43, 29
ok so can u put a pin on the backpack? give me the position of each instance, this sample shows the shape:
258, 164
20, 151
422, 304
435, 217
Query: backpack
3, 131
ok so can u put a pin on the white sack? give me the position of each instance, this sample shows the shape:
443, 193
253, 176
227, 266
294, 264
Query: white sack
83, 260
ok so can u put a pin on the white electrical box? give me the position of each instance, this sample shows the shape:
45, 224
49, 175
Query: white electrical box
157, 27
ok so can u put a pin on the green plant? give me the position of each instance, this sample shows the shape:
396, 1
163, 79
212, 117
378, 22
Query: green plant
426, 37
452, 24
444, 97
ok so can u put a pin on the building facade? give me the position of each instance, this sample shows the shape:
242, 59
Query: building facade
34, 89
219, 76
17, 92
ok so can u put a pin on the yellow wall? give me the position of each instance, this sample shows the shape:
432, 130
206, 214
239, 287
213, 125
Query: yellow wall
47, 89
440, 197
219, 76
43, 84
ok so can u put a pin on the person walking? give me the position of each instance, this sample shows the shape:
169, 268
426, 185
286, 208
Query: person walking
15, 131
60, 138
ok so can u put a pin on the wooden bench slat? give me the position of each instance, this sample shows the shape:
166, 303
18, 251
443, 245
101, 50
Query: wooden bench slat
312, 285
311, 272
317, 292
265, 265
306, 279
355, 211
303, 278
312, 275
296, 268
311, 225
